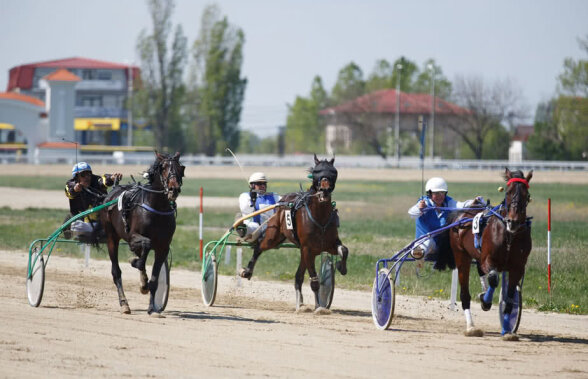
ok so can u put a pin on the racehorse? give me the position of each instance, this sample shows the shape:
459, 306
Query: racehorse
505, 246
313, 228
145, 218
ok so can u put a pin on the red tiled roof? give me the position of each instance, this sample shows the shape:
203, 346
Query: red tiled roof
62, 75
21, 97
22, 76
523, 132
384, 101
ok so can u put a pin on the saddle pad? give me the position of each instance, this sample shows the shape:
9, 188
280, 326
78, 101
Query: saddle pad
120, 201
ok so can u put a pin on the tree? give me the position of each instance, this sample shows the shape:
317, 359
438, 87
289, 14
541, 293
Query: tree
574, 80
488, 106
160, 97
424, 80
305, 131
349, 84
217, 87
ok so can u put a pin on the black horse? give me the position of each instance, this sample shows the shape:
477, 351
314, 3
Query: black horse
145, 218
314, 228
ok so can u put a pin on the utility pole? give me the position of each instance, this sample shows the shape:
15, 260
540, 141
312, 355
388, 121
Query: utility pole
397, 130
130, 108
432, 68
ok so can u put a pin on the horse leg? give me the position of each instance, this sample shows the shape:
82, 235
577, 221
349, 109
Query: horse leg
486, 297
153, 282
513, 280
463, 263
117, 275
343, 253
247, 272
298, 280
140, 246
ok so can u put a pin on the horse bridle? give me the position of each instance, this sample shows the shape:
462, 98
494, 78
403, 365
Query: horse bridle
172, 173
516, 200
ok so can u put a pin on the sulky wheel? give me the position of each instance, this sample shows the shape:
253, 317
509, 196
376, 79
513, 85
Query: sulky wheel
209, 280
162, 293
517, 307
327, 281
35, 277
383, 300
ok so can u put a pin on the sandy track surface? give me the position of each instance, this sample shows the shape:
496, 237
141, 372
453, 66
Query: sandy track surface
253, 331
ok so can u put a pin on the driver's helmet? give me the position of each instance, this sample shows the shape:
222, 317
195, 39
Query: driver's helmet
80, 167
436, 184
257, 177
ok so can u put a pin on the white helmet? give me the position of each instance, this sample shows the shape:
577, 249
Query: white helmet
436, 185
257, 177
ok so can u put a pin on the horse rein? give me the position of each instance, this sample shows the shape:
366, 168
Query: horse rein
171, 174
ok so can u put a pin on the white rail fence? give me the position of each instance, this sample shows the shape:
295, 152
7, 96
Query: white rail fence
302, 160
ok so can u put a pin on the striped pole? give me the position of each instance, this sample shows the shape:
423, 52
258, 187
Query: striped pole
549, 245
200, 225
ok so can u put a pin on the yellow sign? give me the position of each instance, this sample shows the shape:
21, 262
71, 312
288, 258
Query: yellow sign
4, 126
97, 124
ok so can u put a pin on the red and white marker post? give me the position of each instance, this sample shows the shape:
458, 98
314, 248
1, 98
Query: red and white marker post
200, 224
549, 245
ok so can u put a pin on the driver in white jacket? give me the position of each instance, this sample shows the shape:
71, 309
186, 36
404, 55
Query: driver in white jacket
257, 198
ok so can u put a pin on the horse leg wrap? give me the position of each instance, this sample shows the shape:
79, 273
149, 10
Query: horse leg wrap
314, 283
493, 278
488, 296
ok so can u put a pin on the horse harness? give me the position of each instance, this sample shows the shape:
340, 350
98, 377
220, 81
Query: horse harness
300, 201
134, 197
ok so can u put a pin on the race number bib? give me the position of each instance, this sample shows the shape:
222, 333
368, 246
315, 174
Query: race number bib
476, 223
288, 217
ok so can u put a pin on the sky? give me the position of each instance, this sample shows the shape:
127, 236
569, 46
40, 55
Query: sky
288, 43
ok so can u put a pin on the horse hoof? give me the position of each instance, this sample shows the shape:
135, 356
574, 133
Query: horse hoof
125, 309
322, 311
245, 273
341, 267
144, 290
156, 315
303, 309
510, 337
485, 306
474, 332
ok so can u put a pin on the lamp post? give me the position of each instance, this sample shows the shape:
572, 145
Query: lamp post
432, 68
130, 108
397, 129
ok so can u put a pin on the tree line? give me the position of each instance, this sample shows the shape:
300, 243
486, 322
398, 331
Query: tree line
192, 97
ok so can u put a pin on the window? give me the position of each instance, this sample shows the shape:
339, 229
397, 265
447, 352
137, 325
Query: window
88, 74
104, 75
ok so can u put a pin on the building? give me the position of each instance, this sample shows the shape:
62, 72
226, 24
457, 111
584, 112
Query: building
100, 95
517, 151
373, 118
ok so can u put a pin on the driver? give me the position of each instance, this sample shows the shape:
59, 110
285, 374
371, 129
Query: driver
428, 220
84, 191
257, 198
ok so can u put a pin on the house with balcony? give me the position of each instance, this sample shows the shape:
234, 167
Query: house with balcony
101, 90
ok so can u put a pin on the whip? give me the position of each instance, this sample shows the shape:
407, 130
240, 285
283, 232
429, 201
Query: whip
238, 163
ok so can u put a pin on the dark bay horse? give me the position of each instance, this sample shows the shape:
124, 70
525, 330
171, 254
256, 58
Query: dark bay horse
313, 228
145, 218
505, 247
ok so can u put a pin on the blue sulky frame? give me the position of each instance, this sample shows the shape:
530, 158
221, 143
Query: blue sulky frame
383, 291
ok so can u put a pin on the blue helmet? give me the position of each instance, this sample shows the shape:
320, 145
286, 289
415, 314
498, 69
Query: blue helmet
80, 167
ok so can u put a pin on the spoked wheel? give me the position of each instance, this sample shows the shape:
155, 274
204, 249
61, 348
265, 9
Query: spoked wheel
517, 306
383, 300
162, 293
209, 281
327, 281
36, 279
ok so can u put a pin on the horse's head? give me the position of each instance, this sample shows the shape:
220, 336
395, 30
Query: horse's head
324, 177
516, 198
167, 172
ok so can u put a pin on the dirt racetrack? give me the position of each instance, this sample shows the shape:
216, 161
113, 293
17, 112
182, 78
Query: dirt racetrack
253, 330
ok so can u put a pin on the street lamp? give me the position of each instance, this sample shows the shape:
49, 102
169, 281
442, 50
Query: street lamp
130, 108
432, 68
397, 130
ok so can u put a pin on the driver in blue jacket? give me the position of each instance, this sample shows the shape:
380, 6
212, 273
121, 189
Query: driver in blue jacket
428, 220
257, 198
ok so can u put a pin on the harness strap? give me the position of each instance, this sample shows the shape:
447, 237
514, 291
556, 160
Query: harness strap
520, 180
322, 227
148, 208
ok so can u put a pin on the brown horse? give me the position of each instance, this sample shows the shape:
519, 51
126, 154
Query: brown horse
145, 218
313, 228
505, 246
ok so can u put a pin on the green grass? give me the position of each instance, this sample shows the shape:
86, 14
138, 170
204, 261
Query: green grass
374, 225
